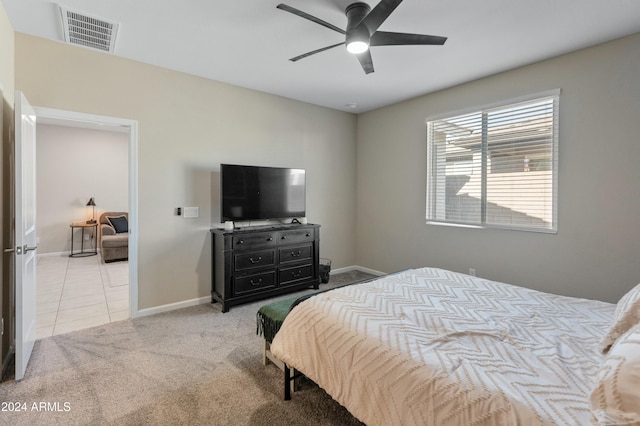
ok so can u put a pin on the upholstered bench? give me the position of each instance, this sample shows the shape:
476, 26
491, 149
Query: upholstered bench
269, 320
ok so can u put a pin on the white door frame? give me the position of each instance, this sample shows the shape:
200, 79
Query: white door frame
102, 122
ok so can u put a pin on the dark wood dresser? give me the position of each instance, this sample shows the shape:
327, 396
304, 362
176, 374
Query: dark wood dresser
255, 263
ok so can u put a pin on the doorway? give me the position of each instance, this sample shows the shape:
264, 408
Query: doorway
114, 283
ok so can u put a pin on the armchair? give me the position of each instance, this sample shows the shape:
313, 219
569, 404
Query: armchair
114, 245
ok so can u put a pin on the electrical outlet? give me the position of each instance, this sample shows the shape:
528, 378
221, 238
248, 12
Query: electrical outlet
472, 272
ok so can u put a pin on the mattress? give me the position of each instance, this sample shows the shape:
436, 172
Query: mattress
434, 347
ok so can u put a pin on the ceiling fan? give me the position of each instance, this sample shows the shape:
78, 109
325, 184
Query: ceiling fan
362, 31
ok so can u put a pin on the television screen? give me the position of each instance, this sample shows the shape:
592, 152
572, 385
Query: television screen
253, 193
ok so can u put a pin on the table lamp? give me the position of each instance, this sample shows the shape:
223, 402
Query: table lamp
92, 203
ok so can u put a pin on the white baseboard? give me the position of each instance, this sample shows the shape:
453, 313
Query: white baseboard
173, 306
357, 268
60, 253
54, 254
207, 299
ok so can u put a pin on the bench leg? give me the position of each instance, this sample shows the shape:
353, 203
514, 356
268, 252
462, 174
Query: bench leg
264, 352
287, 383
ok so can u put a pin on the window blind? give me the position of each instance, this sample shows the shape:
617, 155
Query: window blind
495, 167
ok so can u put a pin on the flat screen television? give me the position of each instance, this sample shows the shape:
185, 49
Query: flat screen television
261, 193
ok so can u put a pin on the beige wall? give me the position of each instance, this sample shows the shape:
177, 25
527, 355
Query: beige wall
187, 127
74, 164
6, 132
596, 251
7, 37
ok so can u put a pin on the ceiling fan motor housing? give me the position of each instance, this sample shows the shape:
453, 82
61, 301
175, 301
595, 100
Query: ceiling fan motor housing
356, 12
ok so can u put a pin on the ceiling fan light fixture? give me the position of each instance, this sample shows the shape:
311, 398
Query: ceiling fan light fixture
357, 36
357, 46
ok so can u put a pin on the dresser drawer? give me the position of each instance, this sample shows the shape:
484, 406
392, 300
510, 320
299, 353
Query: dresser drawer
294, 254
294, 236
254, 259
254, 240
256, 282
295, 274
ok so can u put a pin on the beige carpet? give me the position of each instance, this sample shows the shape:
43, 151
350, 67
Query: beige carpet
194, 366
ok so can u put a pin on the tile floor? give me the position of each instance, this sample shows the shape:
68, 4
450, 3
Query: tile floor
79, 292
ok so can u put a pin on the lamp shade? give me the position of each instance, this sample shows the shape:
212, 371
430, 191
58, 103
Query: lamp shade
91, 202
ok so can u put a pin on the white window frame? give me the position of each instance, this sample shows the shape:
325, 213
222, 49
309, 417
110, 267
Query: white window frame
431, 202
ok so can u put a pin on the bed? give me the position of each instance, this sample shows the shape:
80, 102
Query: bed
434, 347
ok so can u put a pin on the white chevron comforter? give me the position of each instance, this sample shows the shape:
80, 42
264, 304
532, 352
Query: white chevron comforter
434, 347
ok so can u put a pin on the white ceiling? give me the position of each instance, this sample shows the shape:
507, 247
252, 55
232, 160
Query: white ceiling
248, 42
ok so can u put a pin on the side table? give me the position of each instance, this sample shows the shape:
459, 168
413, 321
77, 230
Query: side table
83, 226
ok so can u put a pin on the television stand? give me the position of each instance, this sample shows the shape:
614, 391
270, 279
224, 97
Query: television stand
255, 263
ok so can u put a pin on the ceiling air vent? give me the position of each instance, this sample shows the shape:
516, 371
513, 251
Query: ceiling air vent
88, 31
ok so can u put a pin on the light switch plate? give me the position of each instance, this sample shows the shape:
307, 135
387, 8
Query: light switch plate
190, 212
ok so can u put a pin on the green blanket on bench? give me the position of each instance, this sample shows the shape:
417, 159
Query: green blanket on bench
270, 317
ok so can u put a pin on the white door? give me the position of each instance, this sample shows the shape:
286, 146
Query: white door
25, 228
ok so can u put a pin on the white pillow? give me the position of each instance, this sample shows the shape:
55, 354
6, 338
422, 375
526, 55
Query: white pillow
626, 315
616, 397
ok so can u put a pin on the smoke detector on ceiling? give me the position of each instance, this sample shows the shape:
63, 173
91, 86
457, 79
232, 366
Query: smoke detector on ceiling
88, 31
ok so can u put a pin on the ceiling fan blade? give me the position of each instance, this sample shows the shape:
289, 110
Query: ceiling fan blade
365, 61
379, 14
311, 18
304, 55
383, 38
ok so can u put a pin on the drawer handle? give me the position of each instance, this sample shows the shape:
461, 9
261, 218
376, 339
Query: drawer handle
284, 237
295, 253
308, 235
270, 239
256, 282
254, 261
296, 274
241, 242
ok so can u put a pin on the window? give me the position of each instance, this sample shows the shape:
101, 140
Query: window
496, 167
